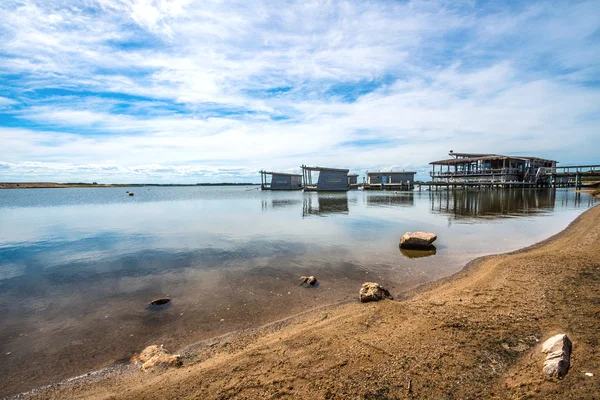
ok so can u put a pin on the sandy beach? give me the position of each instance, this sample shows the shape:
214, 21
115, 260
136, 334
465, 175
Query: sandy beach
476, 334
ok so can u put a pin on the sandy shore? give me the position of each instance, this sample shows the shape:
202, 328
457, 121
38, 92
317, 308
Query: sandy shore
474, 335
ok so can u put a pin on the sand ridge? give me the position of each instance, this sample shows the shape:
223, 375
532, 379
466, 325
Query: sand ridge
474, 335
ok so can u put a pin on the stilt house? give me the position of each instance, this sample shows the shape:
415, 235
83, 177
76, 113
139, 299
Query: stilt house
485, 168
280, 181
330, 179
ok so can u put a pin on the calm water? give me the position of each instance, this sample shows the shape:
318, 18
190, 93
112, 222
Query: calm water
79, 266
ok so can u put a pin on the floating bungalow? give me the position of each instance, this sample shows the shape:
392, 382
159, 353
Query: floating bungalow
492, 168
280, 181
352, 179
390, 180
330, 179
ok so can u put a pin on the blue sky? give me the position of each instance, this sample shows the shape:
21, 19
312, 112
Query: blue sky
186, 91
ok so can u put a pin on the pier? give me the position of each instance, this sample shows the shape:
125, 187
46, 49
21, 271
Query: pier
574, 175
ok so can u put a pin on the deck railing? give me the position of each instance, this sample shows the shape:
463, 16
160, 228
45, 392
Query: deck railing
486, 171
578, 169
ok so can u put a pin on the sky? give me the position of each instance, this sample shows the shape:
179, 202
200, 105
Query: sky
209, 91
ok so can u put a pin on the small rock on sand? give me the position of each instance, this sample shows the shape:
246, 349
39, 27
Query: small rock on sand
558, 350
157, 356
371, 291
417, 240
310, 280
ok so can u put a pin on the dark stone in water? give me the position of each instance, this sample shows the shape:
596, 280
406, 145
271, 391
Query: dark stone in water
131, 193
160, 302
409, 253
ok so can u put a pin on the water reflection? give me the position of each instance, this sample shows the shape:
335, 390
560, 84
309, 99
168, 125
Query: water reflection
325, 204
79, 267
387, 199
411, 253
276, 204
492, 203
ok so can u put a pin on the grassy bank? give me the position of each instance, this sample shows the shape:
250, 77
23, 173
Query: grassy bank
474, 335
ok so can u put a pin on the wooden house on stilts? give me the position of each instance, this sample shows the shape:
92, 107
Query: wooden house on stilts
390, 180
330, 179
280, 181
492, 168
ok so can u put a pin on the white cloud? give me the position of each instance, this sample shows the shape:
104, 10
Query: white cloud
181, 86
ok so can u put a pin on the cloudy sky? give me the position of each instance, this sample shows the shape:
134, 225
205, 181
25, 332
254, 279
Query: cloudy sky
186, 91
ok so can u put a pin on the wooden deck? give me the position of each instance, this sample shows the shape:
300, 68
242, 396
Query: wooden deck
387, 186
566, 176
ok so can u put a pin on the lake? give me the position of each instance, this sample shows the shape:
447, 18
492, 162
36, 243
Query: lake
78, 267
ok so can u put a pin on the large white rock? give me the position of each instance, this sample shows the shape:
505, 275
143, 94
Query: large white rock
417, 240
558, 359
156, 356
371, 291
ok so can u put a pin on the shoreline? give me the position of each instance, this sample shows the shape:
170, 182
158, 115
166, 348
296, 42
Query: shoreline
484, 309
55, 185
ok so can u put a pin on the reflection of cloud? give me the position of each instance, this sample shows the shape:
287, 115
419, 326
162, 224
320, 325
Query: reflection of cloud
213, 83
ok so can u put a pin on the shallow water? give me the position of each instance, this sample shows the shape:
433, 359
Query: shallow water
78, 267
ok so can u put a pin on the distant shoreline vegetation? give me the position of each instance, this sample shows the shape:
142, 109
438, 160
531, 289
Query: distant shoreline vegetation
49, 185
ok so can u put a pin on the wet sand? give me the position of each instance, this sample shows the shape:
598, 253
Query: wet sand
476, 334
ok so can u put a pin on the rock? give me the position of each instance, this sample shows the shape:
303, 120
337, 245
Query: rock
417, 240
162, 360
371, 291
558, 350
131, 193
157, 356
150, 352
160, 302
310, 280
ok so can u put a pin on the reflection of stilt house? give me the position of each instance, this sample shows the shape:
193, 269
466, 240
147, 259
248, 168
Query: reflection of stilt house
330, 179
280, 181
465, 204
381, 180
469, 167
325, 204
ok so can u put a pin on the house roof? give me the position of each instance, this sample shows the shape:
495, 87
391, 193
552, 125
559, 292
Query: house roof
471, 155
324, 169
278, 173
538, 158
454, 161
